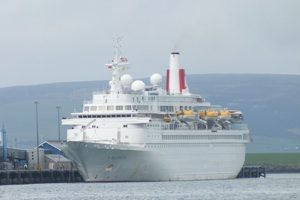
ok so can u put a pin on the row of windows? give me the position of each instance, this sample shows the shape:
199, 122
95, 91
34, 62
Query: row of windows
166, 108
104, 116
133, 107
172, 108
118, 107
110, 108
200, 137
153, 125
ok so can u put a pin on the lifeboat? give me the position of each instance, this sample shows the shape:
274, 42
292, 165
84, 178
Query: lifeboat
185, 113
224, 114
188, 113
179, 112
167, 119
208, 114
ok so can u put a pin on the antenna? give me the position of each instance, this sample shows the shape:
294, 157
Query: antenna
117, 46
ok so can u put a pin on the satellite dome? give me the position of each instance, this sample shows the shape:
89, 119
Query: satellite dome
138, 85
126, 79
155, 79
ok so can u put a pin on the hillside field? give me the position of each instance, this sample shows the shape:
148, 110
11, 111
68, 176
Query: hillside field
274, 160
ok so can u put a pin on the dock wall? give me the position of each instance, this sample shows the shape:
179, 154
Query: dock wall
39, 176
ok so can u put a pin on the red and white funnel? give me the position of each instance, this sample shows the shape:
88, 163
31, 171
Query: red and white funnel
176, 83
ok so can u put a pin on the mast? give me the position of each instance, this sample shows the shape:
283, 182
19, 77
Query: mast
118, 66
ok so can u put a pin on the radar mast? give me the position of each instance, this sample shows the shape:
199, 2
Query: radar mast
118, 66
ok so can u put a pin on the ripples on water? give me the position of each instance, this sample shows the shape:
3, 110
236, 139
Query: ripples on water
275, 186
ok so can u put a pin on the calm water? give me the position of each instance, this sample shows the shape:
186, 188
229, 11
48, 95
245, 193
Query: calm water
275, 186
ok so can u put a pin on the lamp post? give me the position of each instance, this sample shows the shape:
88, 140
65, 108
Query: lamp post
58, 121
37, 134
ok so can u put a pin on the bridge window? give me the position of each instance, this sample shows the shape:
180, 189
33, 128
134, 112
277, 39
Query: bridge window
110, 107
93, 108
119, 107
86, 108
101, 107
128, 107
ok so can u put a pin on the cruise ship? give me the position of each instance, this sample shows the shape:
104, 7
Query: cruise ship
134, 132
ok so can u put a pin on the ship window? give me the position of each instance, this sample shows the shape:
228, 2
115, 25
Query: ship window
89, 116
108, 116
84, 116
143, 107
79, 116
103, 116
98, 116
125, 126
166, 108
123, 115
118, 115
93, 108
86, 108
119, 107
101, 107
110, 107
128, 107
113, 115
128, 115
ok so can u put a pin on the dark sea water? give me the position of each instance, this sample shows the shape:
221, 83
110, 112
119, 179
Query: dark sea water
275, 186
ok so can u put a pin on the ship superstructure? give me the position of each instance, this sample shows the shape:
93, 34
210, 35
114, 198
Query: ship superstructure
135, 132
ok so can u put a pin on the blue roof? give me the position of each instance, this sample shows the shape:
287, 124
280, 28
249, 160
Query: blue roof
52, 147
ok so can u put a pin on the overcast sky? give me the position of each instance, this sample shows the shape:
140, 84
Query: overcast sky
44, 41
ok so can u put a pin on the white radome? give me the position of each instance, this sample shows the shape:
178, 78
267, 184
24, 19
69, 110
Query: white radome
155, 79
126, 79
138, 85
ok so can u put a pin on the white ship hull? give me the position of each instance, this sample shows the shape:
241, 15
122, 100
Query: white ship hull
106, 162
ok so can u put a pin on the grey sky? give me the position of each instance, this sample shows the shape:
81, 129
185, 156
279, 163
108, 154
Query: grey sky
58, 41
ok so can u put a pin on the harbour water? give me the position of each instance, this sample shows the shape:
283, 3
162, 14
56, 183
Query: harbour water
275, 186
